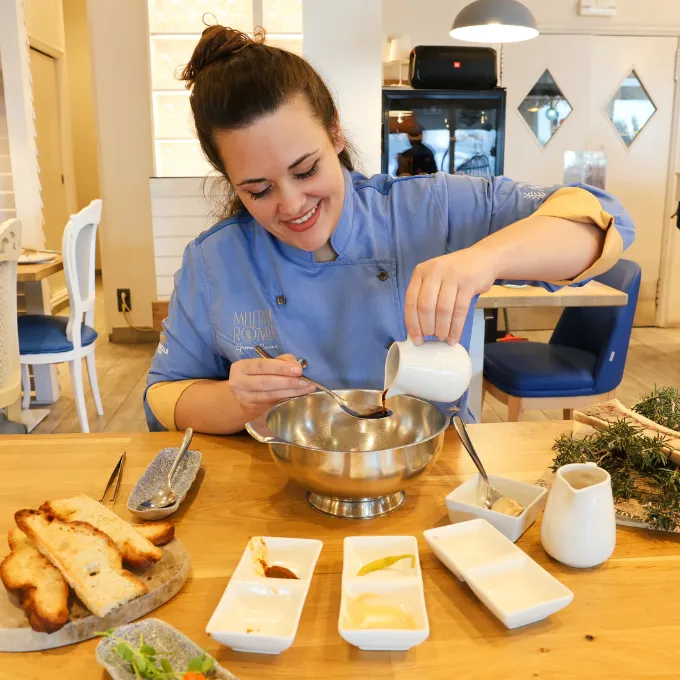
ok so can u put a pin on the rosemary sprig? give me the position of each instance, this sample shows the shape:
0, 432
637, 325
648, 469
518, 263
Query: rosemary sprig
662, 406
638, 465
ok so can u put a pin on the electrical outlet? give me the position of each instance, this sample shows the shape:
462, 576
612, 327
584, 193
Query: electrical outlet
128, 300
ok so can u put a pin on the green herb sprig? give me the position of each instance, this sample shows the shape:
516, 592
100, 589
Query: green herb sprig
638, 465
662, 406
147, 662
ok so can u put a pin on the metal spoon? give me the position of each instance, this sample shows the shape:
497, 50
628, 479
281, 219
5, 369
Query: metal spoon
356, 410
491, 494
166, 496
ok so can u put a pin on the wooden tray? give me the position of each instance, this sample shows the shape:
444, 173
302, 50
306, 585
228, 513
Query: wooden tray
164, 579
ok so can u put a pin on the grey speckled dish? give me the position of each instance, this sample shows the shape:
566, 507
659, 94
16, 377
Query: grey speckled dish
161, 636
154, 478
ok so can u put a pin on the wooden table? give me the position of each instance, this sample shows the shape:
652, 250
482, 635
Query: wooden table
37, 302
32, 273
624, 621
593, 294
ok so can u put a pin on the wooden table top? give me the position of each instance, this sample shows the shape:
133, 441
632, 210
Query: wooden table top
623, 622
593, 294
30, 273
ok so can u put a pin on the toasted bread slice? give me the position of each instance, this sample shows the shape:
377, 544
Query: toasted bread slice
137, 550
87, 558
159, 533
40, 587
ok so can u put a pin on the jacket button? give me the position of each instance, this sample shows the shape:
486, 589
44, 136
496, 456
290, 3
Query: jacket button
281, 300
302, 362
383, 275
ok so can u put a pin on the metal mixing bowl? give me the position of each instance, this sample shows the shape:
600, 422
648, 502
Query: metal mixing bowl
350, 467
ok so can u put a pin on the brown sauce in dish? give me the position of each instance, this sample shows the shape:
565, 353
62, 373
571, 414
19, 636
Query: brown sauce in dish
276, 571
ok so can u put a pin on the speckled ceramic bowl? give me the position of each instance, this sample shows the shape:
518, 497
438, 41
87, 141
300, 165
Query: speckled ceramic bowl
160, 636
154, 478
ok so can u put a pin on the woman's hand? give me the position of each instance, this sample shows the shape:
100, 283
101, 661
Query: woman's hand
441, 290
258, 384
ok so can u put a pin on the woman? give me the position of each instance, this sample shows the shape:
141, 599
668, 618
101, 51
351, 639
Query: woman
316, 261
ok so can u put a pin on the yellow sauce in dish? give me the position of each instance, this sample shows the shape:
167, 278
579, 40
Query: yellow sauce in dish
370, 611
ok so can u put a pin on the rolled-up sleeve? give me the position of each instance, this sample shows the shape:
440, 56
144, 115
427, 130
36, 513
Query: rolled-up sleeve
474, 207
186, 352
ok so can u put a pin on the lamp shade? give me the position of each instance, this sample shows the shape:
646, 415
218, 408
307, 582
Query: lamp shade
494, 21
400, 48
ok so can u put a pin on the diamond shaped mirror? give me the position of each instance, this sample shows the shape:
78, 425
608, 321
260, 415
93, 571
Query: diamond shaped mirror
545, 108
630, 108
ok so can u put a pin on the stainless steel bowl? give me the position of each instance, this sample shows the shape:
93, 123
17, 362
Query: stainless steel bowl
352, 468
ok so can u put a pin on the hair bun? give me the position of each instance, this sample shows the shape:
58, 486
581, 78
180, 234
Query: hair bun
217, 43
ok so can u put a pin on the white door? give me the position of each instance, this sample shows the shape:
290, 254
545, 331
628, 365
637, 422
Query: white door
50, 155
599, 78
637, 169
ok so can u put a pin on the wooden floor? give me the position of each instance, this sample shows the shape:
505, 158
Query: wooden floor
653, 359
121, 370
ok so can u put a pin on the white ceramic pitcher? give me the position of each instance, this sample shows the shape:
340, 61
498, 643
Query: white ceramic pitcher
579, 523
435, 371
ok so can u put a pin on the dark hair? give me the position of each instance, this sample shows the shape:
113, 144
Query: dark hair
235, 80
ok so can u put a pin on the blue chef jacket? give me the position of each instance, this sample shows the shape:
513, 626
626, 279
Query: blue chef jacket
239, 286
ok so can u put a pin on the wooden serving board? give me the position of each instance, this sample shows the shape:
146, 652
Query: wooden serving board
164, 580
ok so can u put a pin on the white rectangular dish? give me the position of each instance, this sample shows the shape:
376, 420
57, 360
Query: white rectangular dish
385, 608
465, 503
261, 614
514, 587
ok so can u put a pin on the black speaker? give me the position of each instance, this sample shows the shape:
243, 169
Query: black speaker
449, 67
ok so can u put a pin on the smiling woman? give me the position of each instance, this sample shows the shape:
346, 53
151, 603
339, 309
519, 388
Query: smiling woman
315, 259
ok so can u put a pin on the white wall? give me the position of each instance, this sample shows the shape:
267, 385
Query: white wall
120, 76
343, 40
7, 209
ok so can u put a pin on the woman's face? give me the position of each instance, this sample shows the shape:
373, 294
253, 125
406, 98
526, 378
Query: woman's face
286, 171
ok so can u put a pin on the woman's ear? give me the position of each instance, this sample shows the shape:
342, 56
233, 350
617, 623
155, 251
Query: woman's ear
338, 137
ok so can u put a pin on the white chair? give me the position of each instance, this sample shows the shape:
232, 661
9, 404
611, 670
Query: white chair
10, 373
51, 339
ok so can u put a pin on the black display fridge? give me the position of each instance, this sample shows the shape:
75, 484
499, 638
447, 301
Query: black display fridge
455, 131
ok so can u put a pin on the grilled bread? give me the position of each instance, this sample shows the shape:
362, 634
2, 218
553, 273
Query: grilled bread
87, 558
137, 551
159, 533
40, 587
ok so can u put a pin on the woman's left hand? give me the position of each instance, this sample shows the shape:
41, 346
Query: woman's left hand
441, 290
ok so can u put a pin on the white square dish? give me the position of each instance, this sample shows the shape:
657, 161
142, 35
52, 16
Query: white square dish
471, 544
261, 614
465, 503
519, 592
258, 617
388, 616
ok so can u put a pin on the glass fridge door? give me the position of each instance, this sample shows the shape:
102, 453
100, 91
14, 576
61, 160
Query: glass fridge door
454, 135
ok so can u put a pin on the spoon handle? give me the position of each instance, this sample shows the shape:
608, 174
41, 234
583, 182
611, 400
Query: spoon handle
467, 443
265, 355
188, 436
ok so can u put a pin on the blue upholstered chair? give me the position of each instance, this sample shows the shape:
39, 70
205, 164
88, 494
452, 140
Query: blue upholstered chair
581, 365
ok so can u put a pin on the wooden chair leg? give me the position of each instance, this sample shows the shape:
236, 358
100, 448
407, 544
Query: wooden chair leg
514, 409
568, 414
